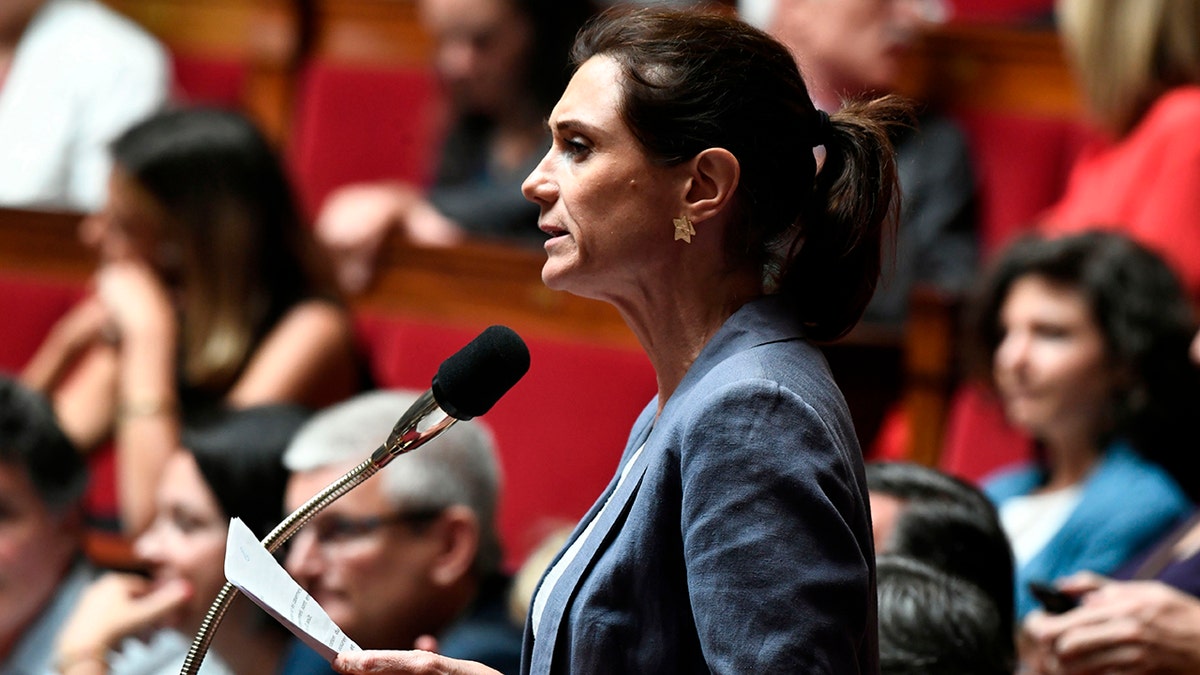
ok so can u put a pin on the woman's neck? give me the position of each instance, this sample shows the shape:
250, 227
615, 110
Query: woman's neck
675, 322
1068, 462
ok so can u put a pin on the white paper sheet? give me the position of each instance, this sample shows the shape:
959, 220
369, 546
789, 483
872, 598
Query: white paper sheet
255, 572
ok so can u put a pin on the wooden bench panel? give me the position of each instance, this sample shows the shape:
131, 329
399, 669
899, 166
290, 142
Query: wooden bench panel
992, 68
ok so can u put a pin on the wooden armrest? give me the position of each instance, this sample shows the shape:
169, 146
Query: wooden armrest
931, 368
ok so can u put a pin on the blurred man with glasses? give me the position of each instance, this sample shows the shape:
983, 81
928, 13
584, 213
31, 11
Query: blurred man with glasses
410, 557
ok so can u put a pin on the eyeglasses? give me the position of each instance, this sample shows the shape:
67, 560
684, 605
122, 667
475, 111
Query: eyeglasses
340, 529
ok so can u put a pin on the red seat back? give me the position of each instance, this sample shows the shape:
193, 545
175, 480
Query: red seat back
30, 307
560, 431
356, 123
210, 80
1021, 163
979, 440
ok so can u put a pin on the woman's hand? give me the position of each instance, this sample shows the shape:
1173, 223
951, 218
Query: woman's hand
138, 302
87, 323
1128, 627
353, 224
355, 221
114, 607
427, 226
413, 662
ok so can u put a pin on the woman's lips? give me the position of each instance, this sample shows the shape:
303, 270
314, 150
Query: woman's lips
552, 230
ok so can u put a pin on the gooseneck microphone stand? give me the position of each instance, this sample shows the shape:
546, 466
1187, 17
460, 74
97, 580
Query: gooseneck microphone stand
467, 384
404, 437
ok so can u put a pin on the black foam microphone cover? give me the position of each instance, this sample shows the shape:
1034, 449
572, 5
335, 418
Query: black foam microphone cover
470, 382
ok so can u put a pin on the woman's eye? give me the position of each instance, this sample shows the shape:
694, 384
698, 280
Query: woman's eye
575, 148
187, 523
1053, 332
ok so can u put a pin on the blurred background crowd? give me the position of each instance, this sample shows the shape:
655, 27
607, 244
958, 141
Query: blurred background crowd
242, 234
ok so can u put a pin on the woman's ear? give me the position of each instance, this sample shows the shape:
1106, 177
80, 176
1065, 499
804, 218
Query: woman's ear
713, 180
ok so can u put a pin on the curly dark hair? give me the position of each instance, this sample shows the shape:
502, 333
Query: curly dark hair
1147, 322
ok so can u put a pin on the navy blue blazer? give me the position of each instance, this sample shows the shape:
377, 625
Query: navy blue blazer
741, 539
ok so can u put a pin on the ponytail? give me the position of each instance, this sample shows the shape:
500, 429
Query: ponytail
835, 264
815, 236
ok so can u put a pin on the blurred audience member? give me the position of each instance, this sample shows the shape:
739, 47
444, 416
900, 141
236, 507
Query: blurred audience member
410, 557
1146, 620
503, 64
42, 571
228, 467
934, 623
1134, 627
73, 75
852, 49
209, 293
1086, 338
922, 513
1138, 65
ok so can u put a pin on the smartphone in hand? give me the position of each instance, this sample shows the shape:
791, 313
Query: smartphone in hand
1053, 599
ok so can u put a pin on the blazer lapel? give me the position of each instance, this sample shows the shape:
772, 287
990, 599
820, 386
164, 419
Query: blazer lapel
763, 320
609, 514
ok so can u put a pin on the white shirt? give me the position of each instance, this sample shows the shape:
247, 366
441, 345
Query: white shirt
1031, 521
556, 572
80, 76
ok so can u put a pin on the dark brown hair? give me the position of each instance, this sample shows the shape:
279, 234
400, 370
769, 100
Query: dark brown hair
694, 81
246, 257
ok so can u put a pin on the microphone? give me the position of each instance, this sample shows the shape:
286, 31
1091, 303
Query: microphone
467, 384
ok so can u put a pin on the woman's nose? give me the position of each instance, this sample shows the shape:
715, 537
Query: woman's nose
148, 545
538, 188
1012, 351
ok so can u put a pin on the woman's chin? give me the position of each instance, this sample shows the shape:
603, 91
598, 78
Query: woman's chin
554, 274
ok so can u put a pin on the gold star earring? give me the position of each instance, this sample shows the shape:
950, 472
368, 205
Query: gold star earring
684, 229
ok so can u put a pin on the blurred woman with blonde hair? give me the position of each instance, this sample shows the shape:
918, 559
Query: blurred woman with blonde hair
1138, 67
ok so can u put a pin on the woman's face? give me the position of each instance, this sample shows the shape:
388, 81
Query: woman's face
480, 51
1051, 366
131, 225
607, 207
186, 541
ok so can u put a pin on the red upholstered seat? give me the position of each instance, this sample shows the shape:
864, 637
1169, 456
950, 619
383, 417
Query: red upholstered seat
995, 11
357, 123
978, 438
30, 308
209, 80
1021, 163
560, 430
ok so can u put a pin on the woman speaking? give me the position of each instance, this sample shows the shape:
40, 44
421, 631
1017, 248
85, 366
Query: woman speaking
682, 186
